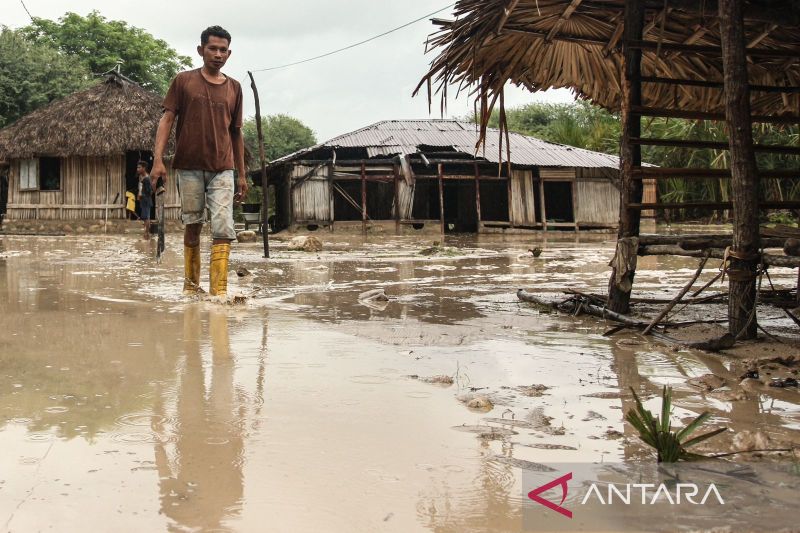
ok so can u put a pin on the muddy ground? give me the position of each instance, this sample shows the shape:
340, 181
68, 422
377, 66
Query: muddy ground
123, 402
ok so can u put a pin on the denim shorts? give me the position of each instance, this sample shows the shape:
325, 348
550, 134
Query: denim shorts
201, 190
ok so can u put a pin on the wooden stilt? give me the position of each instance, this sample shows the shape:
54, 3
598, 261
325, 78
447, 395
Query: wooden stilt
744, 174
624, 265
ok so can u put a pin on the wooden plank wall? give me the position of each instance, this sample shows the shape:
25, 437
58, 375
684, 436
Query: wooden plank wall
88, 185
311, 199
523, 201
597, 196
406, 194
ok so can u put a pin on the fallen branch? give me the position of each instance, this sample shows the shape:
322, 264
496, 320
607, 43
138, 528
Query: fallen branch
679, 296
751, 451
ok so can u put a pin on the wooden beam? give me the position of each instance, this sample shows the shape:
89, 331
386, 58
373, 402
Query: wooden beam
678, 143
568, 11
709, 50
705, 173
717, 253
717, 84
785, 204
704, 115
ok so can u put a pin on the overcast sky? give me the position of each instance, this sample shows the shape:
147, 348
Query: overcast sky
333, 95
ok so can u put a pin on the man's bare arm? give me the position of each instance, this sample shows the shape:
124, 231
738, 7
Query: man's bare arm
162, 136
238, 157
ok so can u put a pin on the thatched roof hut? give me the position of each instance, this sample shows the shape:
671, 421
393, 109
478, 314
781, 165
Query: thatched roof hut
75, 158
574, 44
113, 117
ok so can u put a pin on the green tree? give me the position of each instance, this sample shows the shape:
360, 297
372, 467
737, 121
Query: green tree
282, 135
32, 75
100, 43
580, 124
587, 126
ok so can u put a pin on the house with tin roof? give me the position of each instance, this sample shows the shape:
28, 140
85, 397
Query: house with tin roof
415, 174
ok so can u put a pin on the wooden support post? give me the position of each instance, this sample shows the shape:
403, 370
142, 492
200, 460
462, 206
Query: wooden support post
478, 193
542, 210
624, 265
744, 174
510, 200
363, 197
441, 196
331, 193
397, 198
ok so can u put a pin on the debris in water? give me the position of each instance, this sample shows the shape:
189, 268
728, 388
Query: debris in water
707, 382
436, 380
242, 272
533, 391
535, 252
477, 401
747, 441
304, 243
246, 236
785, 382
378, 295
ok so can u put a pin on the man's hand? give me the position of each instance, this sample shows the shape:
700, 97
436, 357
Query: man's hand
241, 188
158, 171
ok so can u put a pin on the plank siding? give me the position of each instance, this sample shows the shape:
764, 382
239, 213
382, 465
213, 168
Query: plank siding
85, 181
311, 199
523, 200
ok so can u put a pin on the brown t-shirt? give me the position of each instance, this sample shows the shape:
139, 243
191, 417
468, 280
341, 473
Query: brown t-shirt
207, 113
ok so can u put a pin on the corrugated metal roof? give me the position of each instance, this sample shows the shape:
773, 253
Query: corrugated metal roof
404, 137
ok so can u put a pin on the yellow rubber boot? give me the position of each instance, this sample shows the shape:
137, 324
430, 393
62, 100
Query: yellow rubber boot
219, 269
191, 270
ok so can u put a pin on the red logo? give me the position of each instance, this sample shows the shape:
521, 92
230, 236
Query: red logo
534, 495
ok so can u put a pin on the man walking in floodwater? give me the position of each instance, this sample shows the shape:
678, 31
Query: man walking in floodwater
209, 145
145, 196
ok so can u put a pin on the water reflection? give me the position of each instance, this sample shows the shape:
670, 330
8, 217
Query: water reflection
200, 473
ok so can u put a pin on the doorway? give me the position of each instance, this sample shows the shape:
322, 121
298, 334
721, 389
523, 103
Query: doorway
132, 180
3, 191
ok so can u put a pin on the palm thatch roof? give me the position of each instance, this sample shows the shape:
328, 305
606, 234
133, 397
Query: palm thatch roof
575, 44
112, 117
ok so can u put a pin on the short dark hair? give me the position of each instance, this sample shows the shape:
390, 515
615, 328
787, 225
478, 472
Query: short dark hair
216, 31
141, 163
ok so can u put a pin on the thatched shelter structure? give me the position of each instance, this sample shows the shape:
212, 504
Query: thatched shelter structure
74, 158
426, 174
736, 61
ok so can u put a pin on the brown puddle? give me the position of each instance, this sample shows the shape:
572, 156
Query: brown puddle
122, 402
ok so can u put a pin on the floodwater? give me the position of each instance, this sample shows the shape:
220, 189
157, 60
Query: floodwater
125, 406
